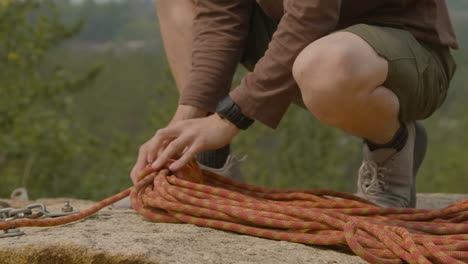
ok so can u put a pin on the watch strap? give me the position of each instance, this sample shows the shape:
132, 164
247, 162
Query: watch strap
228, 109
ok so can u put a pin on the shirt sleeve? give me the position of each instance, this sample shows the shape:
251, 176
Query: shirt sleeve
220, 31
266, 93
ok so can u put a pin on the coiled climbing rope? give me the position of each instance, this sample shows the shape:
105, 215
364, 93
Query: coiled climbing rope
315, 217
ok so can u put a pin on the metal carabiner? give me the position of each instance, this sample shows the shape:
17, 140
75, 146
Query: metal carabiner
5, 214
39, 206
5, 211
20, 213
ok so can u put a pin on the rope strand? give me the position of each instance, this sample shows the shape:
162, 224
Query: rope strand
314, 217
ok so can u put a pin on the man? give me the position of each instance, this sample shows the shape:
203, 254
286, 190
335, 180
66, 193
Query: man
370, 68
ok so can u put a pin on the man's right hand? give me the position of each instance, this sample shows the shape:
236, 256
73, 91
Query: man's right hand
145, 157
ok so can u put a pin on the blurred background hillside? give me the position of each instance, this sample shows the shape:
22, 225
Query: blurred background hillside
84, 83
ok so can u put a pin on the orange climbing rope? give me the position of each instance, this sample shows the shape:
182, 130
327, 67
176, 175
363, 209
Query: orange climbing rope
315, 217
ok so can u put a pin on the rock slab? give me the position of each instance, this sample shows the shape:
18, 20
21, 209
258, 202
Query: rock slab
121, 236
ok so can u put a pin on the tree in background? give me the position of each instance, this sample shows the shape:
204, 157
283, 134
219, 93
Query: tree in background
38, 140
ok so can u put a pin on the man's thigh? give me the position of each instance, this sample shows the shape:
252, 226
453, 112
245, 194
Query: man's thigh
418, 73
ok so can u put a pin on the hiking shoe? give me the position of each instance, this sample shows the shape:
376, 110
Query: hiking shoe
123, 204
387, 177
230, 169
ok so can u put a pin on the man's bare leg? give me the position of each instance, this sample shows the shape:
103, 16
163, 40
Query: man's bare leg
341, 78
176, 25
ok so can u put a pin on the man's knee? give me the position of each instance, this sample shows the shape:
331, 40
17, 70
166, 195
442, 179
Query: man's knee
325, 72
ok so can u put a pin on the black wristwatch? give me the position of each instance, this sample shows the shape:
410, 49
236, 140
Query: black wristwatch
228, 109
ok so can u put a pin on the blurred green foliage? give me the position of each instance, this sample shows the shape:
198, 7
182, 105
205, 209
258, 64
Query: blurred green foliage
36, 138
42, 147
71, 128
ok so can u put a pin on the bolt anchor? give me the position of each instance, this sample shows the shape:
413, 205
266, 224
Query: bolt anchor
67, 207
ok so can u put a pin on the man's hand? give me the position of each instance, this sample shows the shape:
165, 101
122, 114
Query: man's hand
183, 140
144, 158
187, 138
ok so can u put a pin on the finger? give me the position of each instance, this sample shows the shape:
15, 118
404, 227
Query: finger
132, 175
174, 148
163, 147
157, 149
153, 154
158, 142
140, 164
188, 155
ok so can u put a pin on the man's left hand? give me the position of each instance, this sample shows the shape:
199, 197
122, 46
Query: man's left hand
186, 138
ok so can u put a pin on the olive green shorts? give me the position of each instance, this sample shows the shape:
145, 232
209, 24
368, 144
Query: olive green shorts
419, 73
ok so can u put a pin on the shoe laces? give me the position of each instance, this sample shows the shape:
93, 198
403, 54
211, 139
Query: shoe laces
372, 178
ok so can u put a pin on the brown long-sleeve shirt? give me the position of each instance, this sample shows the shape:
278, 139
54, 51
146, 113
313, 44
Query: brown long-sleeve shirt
221, 29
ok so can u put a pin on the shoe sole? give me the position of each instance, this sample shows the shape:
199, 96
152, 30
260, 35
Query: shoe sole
420, 148
123, 204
